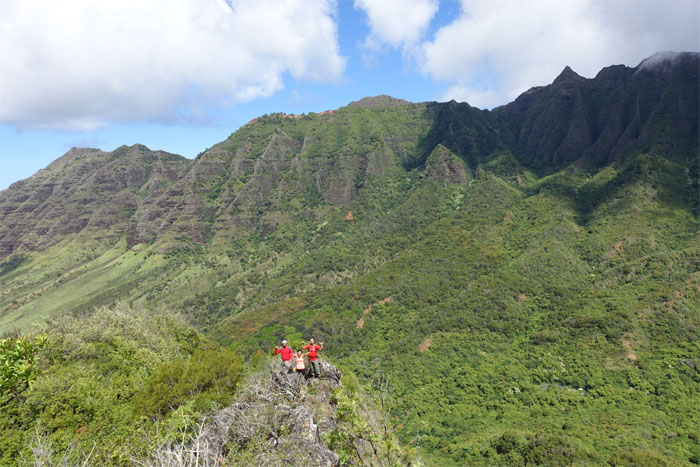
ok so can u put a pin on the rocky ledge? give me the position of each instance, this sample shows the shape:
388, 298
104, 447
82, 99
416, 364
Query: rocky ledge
278, 419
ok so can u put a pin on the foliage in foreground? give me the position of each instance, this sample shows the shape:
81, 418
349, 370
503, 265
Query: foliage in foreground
18, 366
97, 392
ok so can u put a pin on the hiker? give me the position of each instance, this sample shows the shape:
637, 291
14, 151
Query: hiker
314, 364
286, 353
299, 367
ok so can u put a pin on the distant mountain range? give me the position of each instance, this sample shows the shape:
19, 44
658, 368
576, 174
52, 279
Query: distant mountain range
526, 277
152, 195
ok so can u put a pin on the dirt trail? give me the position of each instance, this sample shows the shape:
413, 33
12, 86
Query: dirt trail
380, 302
425, 345
630, 352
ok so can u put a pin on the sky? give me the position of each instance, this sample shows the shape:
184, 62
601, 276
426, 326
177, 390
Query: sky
182, 75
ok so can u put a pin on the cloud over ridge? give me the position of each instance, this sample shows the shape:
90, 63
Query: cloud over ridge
82, 64
494, 50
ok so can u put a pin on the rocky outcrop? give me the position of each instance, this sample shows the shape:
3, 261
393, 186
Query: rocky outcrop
445, 167
278, 419
379, 101
287, 413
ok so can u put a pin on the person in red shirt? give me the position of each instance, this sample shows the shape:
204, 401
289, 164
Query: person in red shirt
286, 353
314, 364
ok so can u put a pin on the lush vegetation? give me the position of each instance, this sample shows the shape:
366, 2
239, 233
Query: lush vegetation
512, 309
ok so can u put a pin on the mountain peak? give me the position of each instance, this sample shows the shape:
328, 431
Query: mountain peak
665, 61
382, 100
568, 74
72, 154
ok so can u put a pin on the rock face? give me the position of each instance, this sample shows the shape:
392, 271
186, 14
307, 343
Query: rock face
599, 119
444, 166
279, 419
86, 191
286, 410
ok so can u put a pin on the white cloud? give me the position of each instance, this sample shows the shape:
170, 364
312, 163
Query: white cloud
495, 50
83, 64
396, 23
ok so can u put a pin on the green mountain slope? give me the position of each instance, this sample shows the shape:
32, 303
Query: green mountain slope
526, 279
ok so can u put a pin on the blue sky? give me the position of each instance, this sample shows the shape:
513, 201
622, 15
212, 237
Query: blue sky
182, 75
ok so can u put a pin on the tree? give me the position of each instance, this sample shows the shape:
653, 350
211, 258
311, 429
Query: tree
18, 365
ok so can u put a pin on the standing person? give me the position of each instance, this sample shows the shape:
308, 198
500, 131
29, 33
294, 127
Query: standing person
314, 364
299, 366
286, 353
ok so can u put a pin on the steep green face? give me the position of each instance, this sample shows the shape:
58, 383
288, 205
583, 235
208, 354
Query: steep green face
526, 280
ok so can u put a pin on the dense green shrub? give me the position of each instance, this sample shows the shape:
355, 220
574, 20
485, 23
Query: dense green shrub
209, 376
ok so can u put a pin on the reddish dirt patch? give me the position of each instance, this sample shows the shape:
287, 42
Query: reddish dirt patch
521, 297
630, 352
360, 323
380, 302
425, 345
349, 217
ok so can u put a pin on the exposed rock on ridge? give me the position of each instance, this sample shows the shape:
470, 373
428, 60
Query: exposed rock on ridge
378, 101
444, 166
279, 419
